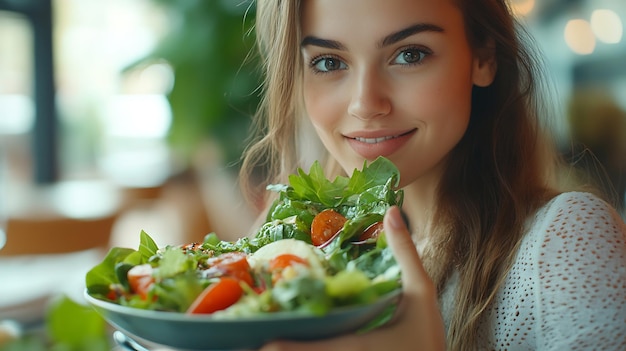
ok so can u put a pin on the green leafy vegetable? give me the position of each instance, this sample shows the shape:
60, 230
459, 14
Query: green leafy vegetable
147, 246
315, 187
100, 278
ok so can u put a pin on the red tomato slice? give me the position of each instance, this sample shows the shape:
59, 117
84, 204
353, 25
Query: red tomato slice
325, 225
217, 296
372, 231
140, 279
233, 264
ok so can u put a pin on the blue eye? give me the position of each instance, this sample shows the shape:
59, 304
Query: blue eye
327, 64
411, 56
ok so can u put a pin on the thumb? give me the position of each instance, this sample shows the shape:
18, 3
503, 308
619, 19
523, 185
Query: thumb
404, 250
419, 296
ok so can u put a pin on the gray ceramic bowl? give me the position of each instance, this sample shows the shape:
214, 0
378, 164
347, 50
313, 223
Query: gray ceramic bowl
203, 332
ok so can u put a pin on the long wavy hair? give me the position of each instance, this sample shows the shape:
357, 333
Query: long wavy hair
500, 173
495, 179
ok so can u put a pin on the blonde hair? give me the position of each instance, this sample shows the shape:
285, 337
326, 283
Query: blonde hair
496, 177
274, 149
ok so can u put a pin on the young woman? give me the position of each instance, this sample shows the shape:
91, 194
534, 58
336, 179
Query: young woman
508, 260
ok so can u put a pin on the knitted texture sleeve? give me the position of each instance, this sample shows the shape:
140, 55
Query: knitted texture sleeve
581, 276
566, 289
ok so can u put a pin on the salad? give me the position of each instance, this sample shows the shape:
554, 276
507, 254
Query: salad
321, 247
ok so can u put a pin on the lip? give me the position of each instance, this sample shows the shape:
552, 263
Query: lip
371, 144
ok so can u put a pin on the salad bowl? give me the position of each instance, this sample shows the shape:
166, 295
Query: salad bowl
157, 329
317, 268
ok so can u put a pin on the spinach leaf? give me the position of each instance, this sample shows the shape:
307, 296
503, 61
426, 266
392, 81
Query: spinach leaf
101, 276
316, 188
147, 246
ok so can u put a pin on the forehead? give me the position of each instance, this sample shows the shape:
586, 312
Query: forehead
339, 19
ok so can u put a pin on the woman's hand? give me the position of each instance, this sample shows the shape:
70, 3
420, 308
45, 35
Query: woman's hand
418, 324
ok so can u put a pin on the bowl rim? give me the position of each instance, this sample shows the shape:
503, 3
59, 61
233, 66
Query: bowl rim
206, 318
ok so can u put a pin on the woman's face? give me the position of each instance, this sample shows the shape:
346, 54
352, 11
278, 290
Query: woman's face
388, 78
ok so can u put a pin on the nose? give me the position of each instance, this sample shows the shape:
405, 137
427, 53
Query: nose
370, 96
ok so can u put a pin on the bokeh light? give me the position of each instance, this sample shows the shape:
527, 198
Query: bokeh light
579, 36
607, 26
522, 7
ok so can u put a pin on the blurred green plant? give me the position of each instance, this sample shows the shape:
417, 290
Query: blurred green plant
216, 78
69, 326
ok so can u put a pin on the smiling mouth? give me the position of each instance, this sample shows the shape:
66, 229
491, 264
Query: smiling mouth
381, 139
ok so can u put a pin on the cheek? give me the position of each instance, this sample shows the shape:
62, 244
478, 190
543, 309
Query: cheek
445, 98
322, 106
440, 105
448, 119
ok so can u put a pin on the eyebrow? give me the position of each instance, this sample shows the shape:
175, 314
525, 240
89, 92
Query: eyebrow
407, 32
324, 43
388, 40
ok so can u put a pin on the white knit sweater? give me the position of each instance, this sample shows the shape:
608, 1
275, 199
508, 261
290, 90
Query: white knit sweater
567, 287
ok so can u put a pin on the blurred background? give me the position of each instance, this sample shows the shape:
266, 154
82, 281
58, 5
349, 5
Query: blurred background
125, 115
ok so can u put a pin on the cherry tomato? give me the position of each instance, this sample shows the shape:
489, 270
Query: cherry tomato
372, 231
140, 279
233, 264
326, 224
217, 296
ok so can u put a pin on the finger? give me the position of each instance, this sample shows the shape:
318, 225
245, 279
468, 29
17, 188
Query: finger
404, 250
